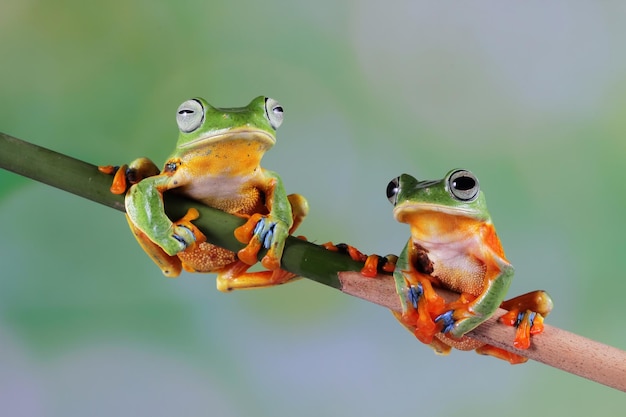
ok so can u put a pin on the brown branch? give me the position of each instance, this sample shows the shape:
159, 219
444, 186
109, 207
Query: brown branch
555, 347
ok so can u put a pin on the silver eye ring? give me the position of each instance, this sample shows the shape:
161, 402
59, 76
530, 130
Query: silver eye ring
190, 115
463, 185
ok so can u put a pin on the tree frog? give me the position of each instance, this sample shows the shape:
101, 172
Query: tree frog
454, 245
217, 162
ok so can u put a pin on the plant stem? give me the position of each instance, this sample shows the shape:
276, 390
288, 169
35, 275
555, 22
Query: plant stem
555, 347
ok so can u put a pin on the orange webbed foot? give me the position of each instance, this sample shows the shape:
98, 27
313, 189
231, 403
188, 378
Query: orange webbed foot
526, 312
373, 263
244, 233
454, 312
237, 277
376, 263
371, 266
120, 183
428, 304
186, 222
353, 252
270, 262
527, 322
249, 254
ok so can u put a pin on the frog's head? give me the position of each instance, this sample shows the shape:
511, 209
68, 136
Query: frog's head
201, 124
438, 206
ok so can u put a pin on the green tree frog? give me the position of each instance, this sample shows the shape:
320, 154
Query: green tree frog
454, 245
217, 162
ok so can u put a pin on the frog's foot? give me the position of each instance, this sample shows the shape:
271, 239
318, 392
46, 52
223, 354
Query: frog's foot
185, 232
260, 232
236, 277
426, 304
526, 312
354, 253
527, 322
126, 175
120, 184
373, 263
456, 313
510, 357
376, 263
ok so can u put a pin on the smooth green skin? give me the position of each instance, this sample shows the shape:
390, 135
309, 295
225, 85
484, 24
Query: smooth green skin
144, 200
436, 195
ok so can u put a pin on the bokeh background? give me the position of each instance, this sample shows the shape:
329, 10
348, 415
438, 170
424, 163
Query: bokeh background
530, 96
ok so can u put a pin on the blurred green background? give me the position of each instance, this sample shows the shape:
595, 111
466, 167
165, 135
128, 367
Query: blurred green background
529, 96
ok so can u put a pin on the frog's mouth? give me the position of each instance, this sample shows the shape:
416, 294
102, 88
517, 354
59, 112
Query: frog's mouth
408, 209
246, 134
434, 225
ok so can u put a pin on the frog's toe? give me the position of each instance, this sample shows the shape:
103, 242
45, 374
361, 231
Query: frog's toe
446, 320
185, 233
264, 230
527, 322
184, 236
415, 292
245, 232
270, 262
370, 269
249, 254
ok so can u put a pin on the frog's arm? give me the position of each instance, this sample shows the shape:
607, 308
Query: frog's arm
419, 301
471, 315
267, 231
402, 264
145, 210
277, 200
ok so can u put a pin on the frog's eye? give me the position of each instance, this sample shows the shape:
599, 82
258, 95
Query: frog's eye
463, 185
274, 112
393, 188
190, 116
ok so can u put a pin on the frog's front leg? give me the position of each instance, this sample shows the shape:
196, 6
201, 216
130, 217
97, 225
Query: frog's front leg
468, 312
270, 231
526, 312
420, 303
146, 213
171, 266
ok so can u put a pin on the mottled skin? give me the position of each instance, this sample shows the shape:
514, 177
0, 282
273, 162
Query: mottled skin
454, 245
217, 162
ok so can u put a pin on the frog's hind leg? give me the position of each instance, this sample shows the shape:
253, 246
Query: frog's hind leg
235, 276
526, 312
169, 265
299, 210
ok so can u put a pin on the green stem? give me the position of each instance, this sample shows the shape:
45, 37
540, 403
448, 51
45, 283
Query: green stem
83, 179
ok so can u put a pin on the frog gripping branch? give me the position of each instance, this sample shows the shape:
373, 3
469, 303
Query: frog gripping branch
556, 347
217, 162
454, 245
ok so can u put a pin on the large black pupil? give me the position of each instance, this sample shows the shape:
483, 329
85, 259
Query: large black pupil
392, 189
464, 183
